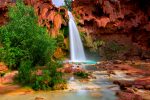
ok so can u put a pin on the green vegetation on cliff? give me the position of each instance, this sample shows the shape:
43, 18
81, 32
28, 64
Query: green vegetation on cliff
68, 4
24, 45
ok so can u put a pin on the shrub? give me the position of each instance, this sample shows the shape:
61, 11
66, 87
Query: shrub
62, 43
82, 74
90, 43
50, 78
41, 82
59, 53
113, 50
24, 72
61, 38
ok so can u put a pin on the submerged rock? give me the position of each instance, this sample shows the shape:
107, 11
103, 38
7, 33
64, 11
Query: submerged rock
97, 95
140, 83
128, 96
39, 98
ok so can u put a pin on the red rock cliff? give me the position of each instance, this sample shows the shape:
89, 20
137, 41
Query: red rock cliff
48, 15
124, 21
3, 11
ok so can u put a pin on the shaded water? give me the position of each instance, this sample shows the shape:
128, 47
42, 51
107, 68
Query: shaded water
76, 46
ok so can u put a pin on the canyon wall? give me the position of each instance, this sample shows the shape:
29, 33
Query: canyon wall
51, 17
123, 25
126, 22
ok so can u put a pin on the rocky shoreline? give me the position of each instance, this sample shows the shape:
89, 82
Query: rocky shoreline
134, 82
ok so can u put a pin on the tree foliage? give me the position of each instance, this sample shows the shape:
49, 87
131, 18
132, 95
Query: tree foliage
22, 38
47, 78
24, 45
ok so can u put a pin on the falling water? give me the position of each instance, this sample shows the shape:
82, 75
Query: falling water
76, 46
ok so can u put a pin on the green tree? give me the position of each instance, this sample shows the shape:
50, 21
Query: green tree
24, 45
22, 38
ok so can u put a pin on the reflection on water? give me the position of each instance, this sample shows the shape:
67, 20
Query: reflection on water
108, 95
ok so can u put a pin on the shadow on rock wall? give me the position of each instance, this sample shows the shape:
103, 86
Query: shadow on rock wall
124, 21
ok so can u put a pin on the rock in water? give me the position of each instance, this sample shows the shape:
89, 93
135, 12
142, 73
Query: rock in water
39, 98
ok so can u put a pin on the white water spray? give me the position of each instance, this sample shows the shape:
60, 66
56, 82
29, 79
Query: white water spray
76, 46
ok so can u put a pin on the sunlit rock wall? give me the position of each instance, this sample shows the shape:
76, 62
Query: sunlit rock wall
49, 15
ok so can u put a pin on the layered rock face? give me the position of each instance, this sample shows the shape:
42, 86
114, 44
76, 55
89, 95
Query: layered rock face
124, 21
50, 16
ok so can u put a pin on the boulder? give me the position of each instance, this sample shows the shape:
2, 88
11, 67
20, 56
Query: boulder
128, 96
3, 68
39, 98
8, 77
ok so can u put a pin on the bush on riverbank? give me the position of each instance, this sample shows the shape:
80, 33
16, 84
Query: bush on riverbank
41, 79
82, 74
25, 45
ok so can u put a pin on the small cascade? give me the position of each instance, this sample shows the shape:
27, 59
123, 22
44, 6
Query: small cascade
76, 46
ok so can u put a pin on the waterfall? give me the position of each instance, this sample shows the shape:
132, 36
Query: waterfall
76, 46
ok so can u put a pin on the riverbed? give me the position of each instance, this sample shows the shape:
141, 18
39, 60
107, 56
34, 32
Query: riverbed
100, 88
